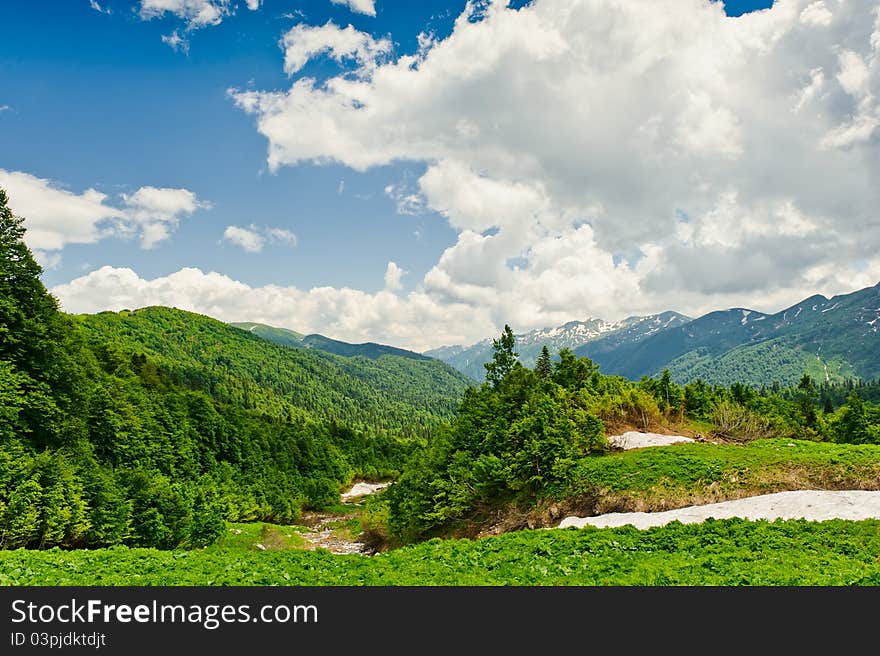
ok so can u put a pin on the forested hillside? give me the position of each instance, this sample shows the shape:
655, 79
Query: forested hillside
298, 340
235, 366
533, 434
152, 428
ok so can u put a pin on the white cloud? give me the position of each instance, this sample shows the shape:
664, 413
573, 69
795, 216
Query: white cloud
47, 260
253, 238
157, 212
178, 43
367, 7
247, 238
303, 42
56, 217
196, 13
5, 108
599, 123
810, 91
415, 320
854, 74
282, 236
817, 14
393, 275
406, 199
595, 157
97, 7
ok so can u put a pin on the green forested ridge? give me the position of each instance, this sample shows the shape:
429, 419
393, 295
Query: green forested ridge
151, 428
281, 336
294, 339
390, 393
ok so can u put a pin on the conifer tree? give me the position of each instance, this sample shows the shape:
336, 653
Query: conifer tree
543, 367
503, 358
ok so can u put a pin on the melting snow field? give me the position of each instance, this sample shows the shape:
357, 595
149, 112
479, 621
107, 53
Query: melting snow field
813, 505
635, 440
362, 489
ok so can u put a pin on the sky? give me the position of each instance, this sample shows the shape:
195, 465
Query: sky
422, 173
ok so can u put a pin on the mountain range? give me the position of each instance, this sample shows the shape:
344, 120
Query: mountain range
470, 359
830, 339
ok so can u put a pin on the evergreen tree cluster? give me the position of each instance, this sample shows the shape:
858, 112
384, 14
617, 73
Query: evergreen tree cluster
520, 435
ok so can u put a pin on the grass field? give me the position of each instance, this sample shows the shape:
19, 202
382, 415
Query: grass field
660, 478
728, 552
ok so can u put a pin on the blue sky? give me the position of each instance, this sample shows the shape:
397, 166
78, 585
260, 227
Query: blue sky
100, 101
95, 99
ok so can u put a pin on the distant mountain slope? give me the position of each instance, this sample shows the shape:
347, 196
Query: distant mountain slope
237, 366
828, 338
298, 340
281, 336
470, 359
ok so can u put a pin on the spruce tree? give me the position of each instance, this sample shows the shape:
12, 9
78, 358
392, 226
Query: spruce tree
543, 367
503, 358
28, 313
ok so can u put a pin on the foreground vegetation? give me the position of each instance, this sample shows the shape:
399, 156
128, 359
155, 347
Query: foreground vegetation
532, 436
728, 552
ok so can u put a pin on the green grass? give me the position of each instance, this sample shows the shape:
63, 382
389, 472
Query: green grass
728, 552
245, 537
757, 467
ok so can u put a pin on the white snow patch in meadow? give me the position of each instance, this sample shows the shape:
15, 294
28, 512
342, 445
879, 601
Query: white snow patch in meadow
362, 490
636, 440
812, 505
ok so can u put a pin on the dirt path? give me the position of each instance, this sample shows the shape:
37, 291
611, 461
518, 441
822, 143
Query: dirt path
329, 531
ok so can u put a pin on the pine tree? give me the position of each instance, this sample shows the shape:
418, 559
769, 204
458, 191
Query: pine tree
503, 358
543, 367
28, 313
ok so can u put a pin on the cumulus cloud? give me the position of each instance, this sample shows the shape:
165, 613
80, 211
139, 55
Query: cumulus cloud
367, 7
56, 217
303, 42
694, 159
817, 14
415, 320
393, 276
157, 212
595, 158
196, 13
253, 238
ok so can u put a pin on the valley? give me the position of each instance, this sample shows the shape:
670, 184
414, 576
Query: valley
156, 446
